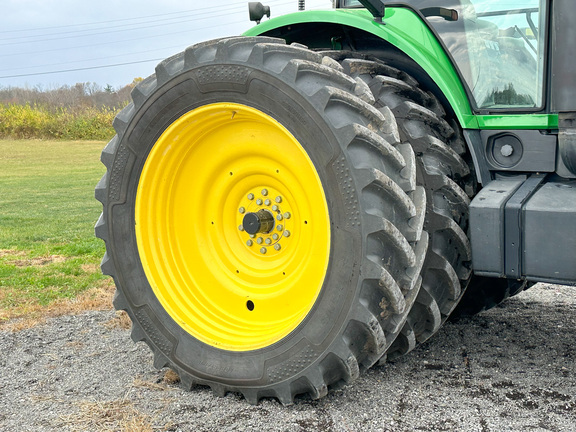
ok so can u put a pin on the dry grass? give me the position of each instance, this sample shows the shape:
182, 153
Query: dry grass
121, 320
28, 315
170, 379
149, 385
38, 261
119, 415
10, 252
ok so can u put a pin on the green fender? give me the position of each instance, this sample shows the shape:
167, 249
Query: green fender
405, 30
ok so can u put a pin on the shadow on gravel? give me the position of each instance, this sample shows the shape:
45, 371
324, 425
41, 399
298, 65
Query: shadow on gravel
512, 368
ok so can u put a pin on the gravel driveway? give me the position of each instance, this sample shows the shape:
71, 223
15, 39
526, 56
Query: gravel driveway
509, 369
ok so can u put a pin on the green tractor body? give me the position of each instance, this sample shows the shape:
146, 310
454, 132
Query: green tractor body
508, 78
284, 209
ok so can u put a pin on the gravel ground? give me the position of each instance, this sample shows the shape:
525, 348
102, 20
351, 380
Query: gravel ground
509, 369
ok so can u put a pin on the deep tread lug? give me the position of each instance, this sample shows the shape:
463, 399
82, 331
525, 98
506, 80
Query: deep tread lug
101, 192
392, 299
284, 396
318, 388
119, 301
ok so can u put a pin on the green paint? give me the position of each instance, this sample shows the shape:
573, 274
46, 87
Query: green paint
404, 29
518, 121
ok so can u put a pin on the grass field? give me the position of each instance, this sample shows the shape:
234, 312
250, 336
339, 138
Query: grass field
49, 257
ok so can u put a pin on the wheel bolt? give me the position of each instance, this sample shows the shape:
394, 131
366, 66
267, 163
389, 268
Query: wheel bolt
250, 196
259, 201
275, 236
275, 207
286, 233
259, 240
268, 241
264, 192
249, 243
242, 210
280, 228
279, 217
277, 246
267, 202
287, 215
263, 250
278, 199
240, 227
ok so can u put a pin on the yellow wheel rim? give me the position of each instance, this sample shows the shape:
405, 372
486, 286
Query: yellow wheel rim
209, 174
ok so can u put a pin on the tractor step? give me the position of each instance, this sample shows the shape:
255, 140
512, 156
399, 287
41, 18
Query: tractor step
525, 229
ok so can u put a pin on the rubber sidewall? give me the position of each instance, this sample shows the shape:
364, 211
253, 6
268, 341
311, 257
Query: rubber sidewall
320, 328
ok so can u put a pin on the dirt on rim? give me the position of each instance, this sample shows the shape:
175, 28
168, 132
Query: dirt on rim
512, 368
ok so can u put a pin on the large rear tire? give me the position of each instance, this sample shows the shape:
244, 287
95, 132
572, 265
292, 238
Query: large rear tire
264, 235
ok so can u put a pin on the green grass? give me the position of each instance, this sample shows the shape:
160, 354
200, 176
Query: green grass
47, 214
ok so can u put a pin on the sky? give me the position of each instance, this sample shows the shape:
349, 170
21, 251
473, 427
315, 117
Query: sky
46, 44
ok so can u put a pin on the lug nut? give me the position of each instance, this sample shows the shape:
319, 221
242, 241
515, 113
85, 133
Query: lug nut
249, 243
280, 228
267, 202
286, 233
264, 192
259, 201
275, 236
268, 241
278, 199
277, 246
259, 240
287, 215
250, 196
279, 217
240, 227
263, 250
242, 210
275, 207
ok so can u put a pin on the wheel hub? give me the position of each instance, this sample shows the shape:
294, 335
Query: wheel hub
266, 222
259, 222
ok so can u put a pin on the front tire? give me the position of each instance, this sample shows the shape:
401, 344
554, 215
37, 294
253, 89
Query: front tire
318, 288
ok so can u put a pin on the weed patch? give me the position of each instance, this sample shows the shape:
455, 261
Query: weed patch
66, 123
121, 320
118, 415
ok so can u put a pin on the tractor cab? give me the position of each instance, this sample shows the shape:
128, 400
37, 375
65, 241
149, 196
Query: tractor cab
498, 50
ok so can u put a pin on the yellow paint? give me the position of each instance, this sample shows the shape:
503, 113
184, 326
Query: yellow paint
192, 196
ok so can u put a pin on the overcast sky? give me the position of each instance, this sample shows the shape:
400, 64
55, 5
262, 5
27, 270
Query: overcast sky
39, 37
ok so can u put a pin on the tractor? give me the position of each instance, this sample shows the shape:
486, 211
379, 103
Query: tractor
284, 209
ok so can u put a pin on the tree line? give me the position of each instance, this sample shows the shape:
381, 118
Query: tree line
77, 95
